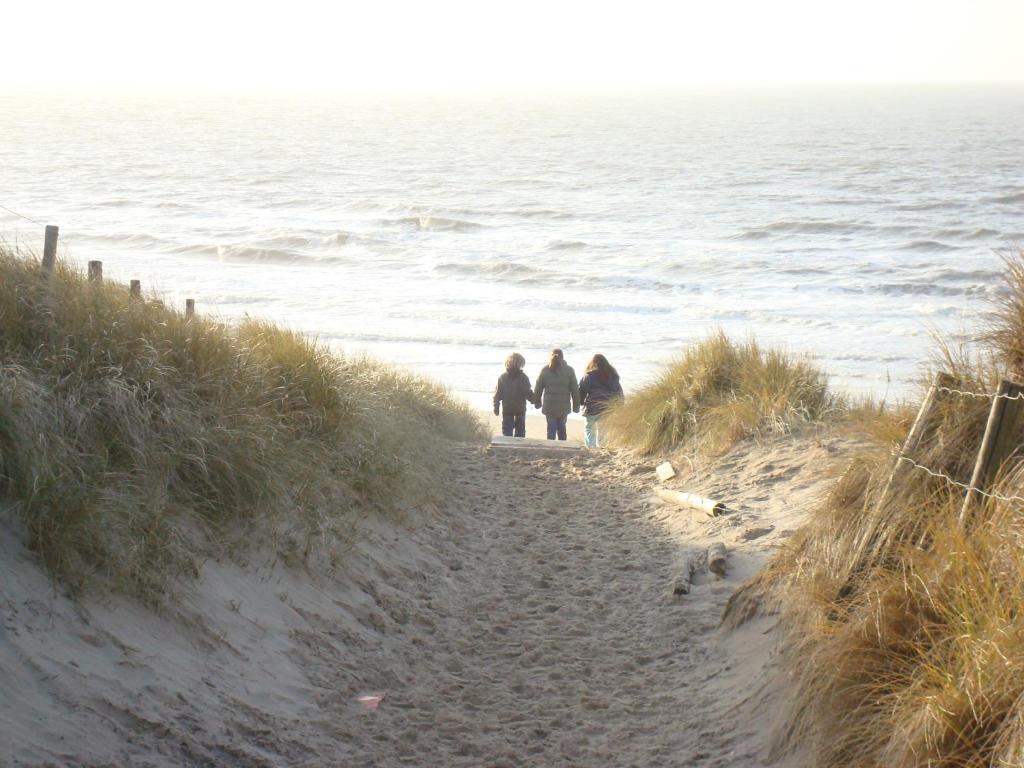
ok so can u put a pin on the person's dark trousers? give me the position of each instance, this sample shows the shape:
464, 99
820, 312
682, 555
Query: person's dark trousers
556, 426
513, 425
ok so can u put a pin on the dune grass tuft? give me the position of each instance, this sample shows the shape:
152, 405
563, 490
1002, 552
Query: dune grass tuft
717, 392
133, 442
904, 634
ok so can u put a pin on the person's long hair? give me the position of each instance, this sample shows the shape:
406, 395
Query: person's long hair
599, 364
514, 362
556, 359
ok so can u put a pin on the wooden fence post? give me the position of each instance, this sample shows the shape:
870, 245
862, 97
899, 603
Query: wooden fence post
925, 418
999, 441
190, 308
936, 394
96, 271
50, 247
135, 289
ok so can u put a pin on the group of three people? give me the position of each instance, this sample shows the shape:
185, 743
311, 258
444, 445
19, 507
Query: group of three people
557, 394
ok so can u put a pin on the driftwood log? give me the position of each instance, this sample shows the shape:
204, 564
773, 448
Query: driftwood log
682, 579
717, 558
709, 507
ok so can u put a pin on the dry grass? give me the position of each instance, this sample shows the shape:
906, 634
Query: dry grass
905, 629
134, 442
718, 392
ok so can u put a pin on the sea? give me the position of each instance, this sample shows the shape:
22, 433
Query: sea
442, 232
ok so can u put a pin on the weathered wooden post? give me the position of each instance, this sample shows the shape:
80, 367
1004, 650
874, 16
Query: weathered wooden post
135, 289
96, 271
50, 247
999, 441
190, 308
873, 531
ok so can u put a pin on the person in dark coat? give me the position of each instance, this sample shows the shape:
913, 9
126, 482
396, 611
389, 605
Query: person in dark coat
599, 387
511, 395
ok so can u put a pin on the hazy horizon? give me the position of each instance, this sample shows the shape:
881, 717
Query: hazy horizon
453, 45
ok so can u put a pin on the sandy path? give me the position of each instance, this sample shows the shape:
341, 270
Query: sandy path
552, 639
527, 621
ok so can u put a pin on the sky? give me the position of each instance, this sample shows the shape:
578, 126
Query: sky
483, 44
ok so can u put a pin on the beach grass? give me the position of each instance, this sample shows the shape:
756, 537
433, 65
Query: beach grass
903, 628
716, 393
135, 442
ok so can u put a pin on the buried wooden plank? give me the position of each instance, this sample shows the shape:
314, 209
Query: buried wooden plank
500, 441
709, 507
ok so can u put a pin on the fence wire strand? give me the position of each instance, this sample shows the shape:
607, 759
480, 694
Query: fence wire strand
30, 220
963, 486
981, 395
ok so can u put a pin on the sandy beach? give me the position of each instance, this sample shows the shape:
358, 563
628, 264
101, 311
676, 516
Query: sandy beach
527, 620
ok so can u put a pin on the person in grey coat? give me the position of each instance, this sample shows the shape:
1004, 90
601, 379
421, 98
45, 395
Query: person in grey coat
511, 395
557, 393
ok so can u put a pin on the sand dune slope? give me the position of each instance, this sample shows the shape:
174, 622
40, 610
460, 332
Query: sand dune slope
528, 622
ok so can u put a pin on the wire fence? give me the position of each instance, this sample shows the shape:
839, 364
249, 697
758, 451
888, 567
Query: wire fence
30, 220
962, 486
980, 395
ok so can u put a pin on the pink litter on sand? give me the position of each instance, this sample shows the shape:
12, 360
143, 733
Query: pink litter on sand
371, 701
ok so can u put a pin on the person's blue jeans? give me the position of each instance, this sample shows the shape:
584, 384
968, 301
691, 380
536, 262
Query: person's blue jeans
592, 432
513, 424
556, 426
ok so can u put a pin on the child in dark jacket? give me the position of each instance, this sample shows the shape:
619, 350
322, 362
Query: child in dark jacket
598, 388
511, 394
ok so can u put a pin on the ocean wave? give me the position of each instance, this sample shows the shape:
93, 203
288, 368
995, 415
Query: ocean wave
285, 241
434, 224
486, 269
866, 358
952, 274
313, 240
930, 205
486, 341
519, 273
545, 213
174, 205
557, 305
799, 227
1012, 197
250, 253
566, 245
981, 233
930, 289
136, 239
931, 246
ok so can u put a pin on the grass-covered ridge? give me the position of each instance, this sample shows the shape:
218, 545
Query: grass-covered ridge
133, 441
717, 392
905, 626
